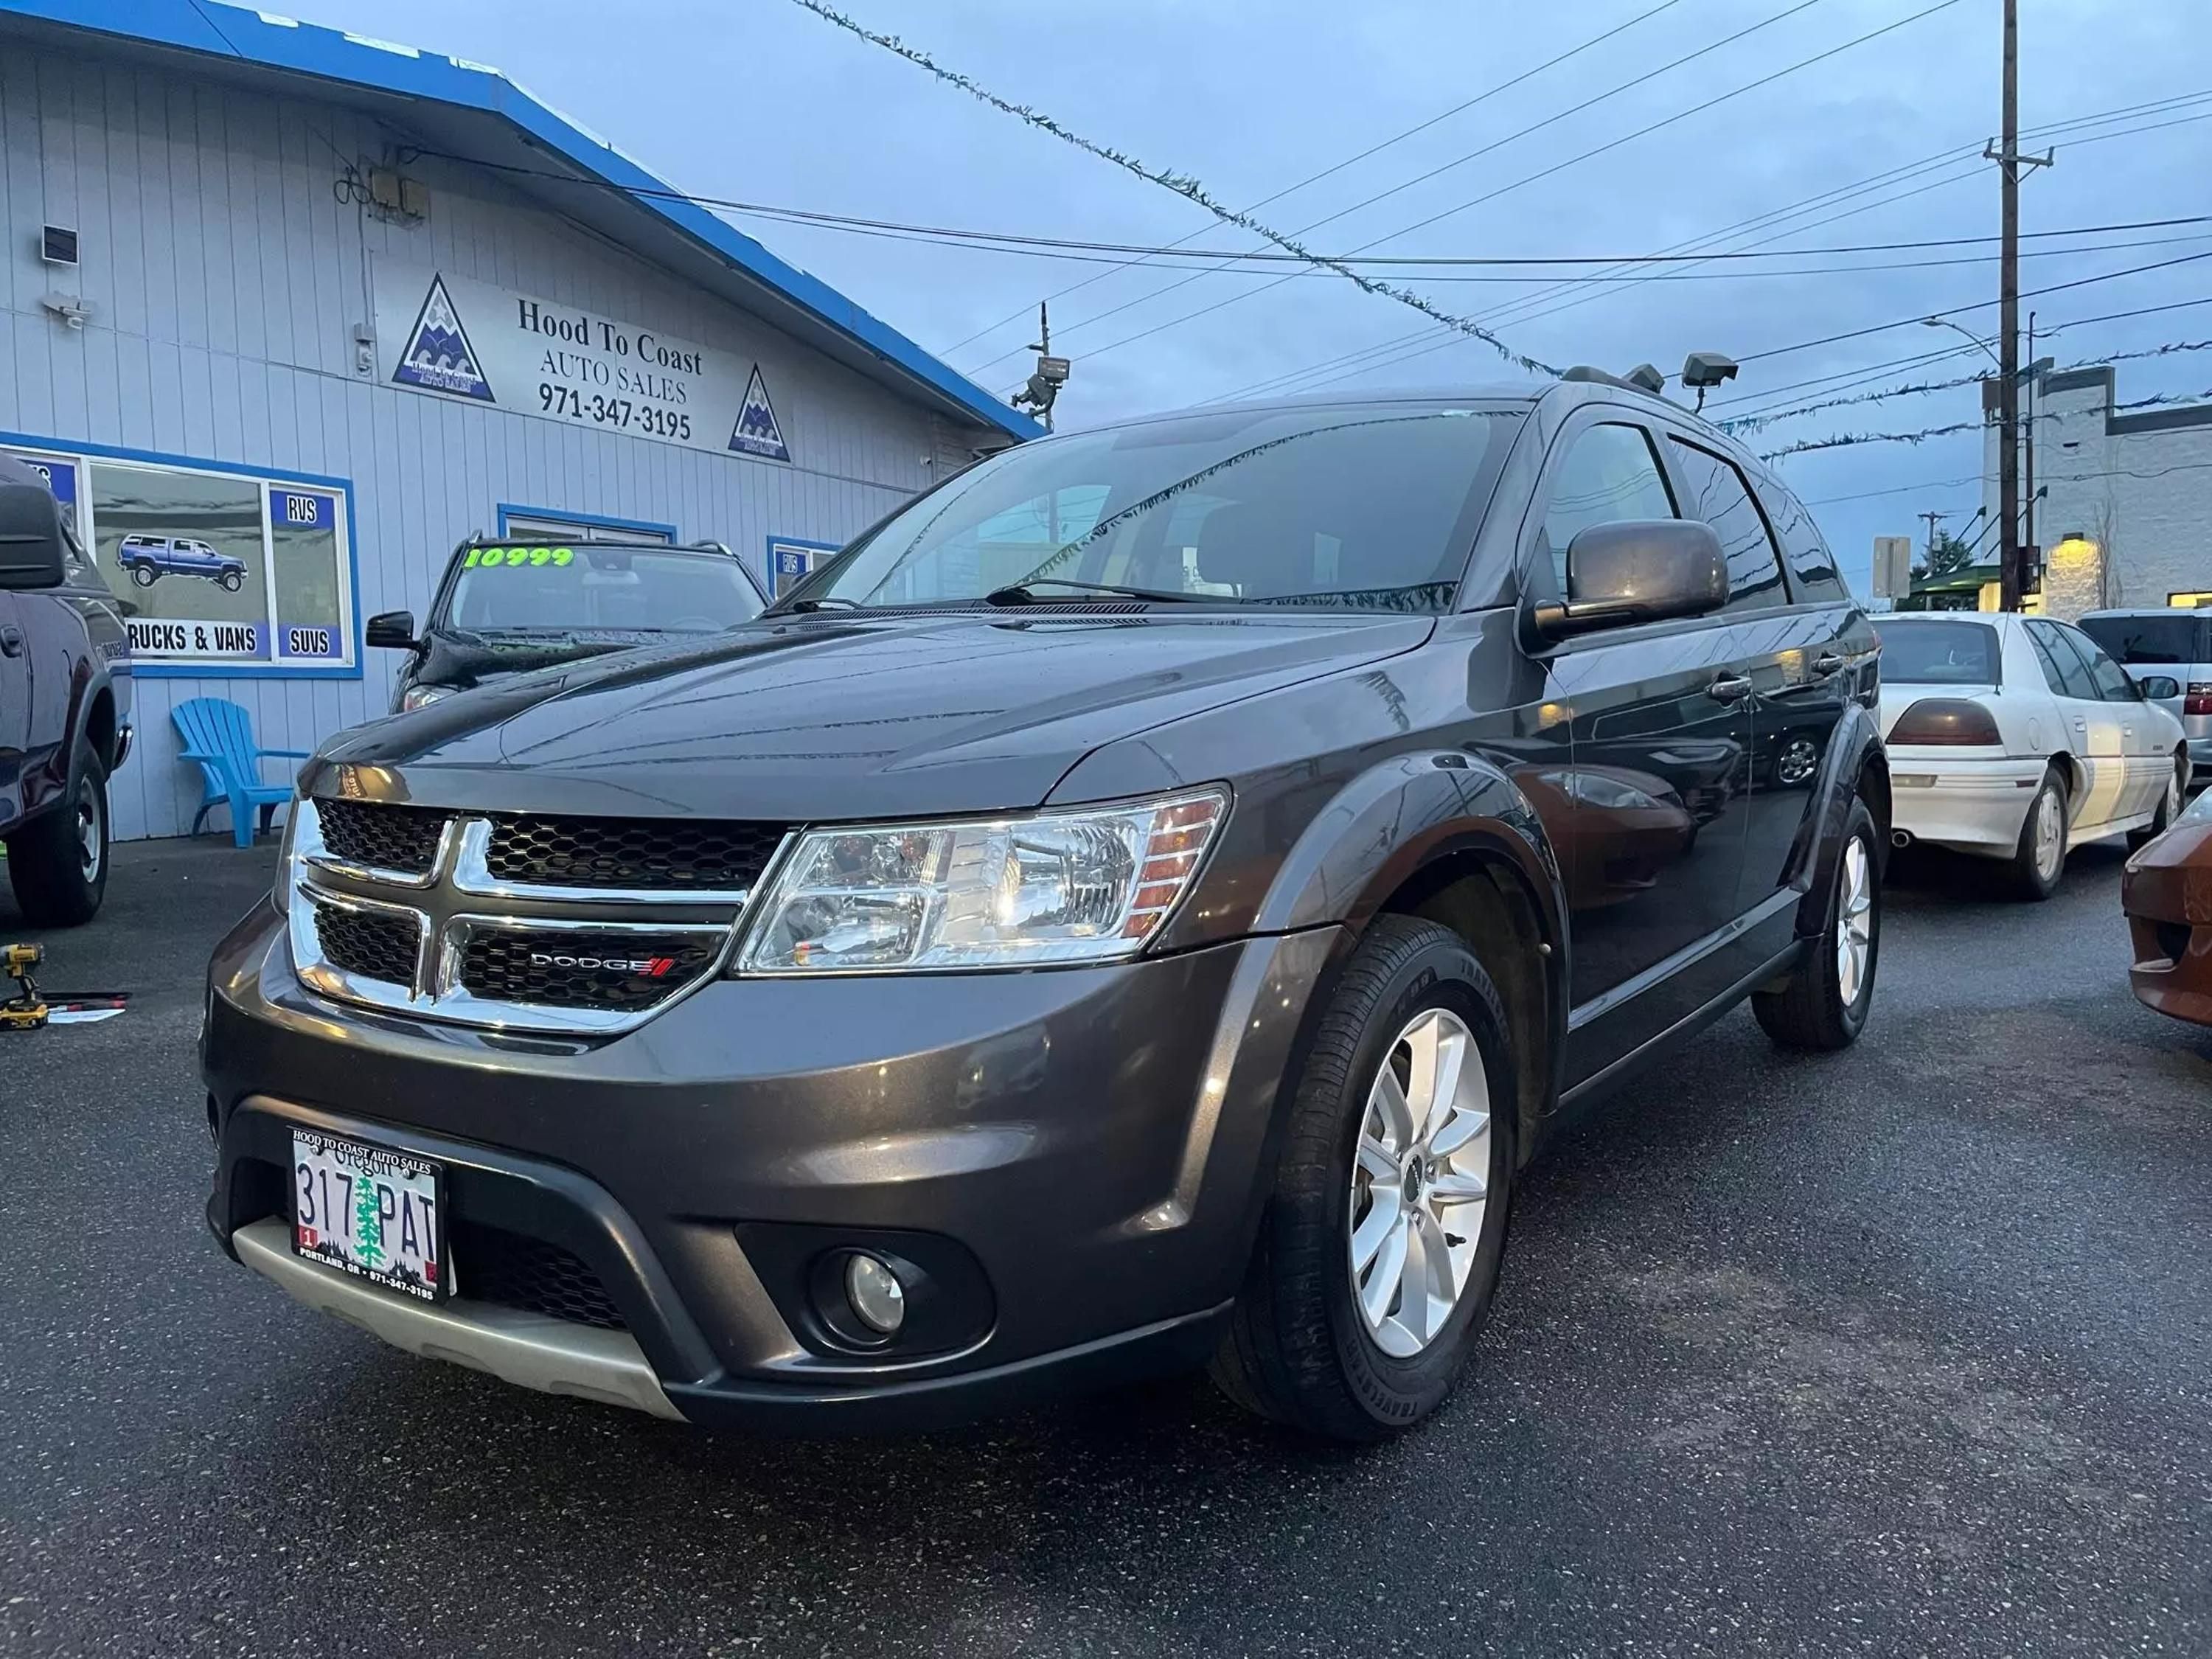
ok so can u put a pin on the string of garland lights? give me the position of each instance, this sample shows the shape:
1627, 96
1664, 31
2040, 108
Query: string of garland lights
1849, 440
1183, 185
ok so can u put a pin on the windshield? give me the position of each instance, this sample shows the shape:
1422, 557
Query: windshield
2178, 638
1939, 652
1365, 508
598, 589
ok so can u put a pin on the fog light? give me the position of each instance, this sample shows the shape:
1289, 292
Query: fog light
878, 1299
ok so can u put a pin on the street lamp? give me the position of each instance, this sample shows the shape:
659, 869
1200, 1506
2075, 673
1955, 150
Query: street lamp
1945, 322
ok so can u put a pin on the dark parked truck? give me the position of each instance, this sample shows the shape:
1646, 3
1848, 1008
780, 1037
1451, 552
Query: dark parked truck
505, 607
1141, 904
65, 705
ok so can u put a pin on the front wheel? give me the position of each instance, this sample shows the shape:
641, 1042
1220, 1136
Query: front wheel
1380, 1247
58, 863
1824, 1004
231, 581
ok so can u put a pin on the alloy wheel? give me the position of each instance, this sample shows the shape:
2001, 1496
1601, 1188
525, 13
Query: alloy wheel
88, 850
1854, 922
2050, 835
1419, 1182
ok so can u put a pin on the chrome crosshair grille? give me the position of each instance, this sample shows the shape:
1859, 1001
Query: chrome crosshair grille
445, 930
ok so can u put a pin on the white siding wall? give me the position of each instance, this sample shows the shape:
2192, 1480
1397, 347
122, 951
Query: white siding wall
2144, 499
225, 279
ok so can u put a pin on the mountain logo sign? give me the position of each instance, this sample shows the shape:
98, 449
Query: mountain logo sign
438, 357
756, 432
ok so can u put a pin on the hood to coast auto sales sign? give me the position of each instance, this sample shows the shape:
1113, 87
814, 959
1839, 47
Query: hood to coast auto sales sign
453, 337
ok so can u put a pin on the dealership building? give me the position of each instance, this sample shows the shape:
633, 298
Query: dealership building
286, 313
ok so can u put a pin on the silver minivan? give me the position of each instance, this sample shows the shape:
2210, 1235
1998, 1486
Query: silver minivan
2173, 642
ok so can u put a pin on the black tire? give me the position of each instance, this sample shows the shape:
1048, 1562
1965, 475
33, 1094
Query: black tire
231, 581
2169, 807
2028, 878
1297, 1350
1815, 1011
58, 880
144, 574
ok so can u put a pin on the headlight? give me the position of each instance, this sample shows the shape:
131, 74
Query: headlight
1091, 885
415, 697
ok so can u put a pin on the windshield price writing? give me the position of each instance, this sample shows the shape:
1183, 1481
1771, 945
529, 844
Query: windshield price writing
483, 558
619, 412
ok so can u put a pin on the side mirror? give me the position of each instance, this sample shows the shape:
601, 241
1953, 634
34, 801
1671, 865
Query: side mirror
2157, 688
1637, 570
392, 630
32, 549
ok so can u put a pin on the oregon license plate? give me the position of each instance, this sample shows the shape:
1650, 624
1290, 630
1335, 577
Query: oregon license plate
377, 1214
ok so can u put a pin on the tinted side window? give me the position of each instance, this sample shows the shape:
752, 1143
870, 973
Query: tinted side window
1810, 561
2113, 681
1719, 495
2063, 669
1610, 474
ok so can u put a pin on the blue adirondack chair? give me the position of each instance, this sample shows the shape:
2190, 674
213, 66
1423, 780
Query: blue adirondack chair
219, 735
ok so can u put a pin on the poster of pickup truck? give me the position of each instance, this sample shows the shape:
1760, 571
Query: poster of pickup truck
147, 559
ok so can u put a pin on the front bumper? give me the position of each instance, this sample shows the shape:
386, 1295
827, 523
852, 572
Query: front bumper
1969, 806
1078, 1153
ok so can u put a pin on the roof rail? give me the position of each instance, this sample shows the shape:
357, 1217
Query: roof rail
1642, 378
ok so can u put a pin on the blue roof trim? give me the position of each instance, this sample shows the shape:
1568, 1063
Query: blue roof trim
277, 42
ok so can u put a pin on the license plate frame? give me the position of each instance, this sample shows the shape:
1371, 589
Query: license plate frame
424, 1272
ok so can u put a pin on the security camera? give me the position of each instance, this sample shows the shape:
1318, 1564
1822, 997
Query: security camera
1702, 370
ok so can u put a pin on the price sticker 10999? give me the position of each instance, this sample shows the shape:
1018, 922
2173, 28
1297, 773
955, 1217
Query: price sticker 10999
508, 557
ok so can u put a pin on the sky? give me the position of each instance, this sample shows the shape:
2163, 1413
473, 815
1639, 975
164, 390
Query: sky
762, 101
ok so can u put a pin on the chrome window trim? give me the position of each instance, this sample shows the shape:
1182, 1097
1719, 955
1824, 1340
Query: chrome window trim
472, 875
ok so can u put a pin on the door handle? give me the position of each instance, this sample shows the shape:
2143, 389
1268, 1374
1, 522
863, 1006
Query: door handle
11, 640
1826, 664
1730, 688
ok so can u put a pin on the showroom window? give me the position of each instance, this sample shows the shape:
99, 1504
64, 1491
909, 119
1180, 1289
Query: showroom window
218, 570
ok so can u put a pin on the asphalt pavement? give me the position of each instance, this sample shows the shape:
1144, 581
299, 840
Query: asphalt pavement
1899, 1352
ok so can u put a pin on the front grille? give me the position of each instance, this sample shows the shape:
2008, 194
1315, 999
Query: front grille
670, 854
566, 970
382, 835
513, 1270
366, 944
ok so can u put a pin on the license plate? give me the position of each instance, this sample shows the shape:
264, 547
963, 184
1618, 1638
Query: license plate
377, 1214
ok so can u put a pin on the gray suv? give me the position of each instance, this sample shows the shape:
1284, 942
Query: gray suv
1141, 904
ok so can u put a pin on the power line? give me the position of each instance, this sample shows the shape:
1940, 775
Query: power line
1546, 172
1980, 478
1423, 341
1372, 149
1852, 440
1181, 184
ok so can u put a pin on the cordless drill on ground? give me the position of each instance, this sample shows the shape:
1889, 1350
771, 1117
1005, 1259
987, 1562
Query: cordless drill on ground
27, 1010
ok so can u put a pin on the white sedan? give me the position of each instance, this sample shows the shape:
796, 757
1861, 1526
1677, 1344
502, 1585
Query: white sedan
2016, 737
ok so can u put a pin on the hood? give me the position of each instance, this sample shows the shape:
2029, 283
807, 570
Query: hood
836, 716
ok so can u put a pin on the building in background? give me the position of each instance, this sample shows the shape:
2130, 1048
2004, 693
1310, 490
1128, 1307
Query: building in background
2123, 508
286, 313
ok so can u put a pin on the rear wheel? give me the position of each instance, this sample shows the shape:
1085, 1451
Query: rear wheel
1824, 1004
143, 574
1381, 1245
2169, 804
2040, 857
58, 863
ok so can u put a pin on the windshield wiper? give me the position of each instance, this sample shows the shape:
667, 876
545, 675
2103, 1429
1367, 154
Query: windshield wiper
1021, 593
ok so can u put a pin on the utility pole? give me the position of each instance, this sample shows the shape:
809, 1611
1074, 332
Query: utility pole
2009, 161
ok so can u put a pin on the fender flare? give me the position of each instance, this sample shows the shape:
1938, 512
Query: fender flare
1854, 751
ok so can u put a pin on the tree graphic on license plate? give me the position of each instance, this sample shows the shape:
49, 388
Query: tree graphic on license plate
367, 1225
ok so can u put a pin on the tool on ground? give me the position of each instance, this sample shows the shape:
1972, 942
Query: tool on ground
30, 1008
